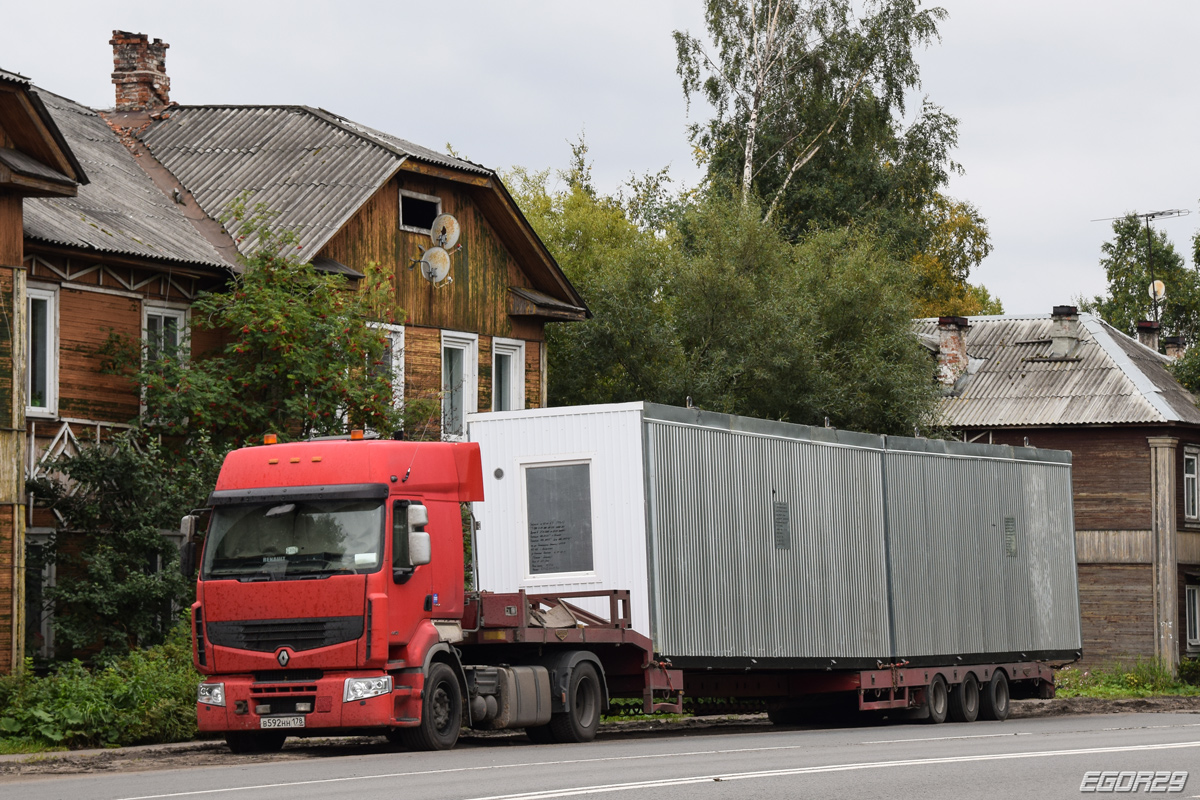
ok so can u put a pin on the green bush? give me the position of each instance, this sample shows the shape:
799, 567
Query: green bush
1142, 678
1189, 671
145, 697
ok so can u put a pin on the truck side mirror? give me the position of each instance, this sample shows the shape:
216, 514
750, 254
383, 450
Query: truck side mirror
418, 516
187, 527
410, 547
420, 550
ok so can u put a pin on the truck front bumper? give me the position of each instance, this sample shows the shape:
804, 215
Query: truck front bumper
297, 706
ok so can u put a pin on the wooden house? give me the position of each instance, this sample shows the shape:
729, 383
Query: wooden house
1071, 381
129, 251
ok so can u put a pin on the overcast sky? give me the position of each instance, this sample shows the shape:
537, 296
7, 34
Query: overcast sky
1068, 111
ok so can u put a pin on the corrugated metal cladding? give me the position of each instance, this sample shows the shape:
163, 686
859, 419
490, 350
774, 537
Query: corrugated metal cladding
609, 439
767, 540
120, 210
311, 168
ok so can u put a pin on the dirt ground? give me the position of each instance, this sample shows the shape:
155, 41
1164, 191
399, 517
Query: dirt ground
198, 754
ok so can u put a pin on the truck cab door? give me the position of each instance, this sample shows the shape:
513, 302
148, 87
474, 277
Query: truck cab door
412, 577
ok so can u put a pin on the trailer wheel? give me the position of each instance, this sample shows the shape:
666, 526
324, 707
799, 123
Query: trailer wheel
937, 700
581, 720
995, 698
254, 742
441, 712
964, 700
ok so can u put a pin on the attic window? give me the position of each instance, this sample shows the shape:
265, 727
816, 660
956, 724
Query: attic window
418, 211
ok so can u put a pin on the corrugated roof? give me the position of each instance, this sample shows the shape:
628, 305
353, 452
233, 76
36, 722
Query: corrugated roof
311, 168
120, 210
1110, 378
15, 77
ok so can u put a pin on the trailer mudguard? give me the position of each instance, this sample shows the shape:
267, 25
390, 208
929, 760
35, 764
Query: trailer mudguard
455, 664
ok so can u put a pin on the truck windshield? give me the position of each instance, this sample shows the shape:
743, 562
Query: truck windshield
294, 539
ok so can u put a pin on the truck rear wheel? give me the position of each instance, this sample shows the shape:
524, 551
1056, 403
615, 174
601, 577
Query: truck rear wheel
254, 742
995, 700
964, 700
937, 700
441, 713
581, 720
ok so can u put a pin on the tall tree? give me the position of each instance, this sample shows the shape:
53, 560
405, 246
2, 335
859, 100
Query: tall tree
1127, 260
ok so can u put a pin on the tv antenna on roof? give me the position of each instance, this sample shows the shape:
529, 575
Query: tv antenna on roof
1157, 289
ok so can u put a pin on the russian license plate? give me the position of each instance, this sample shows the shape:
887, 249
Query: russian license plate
281, 722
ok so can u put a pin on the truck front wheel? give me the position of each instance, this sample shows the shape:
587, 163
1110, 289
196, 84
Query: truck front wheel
581, 720
441, 712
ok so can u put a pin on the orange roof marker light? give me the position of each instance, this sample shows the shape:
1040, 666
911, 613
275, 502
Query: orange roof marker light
270, 438
356, 434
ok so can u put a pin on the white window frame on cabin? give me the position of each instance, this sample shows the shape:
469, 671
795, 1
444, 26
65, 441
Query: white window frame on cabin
48, 293
431, 198
468, 345
1191, 606
165, 309
1191, 484
395, 334
514, 351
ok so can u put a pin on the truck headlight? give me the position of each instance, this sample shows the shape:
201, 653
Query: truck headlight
362, 688
212, 694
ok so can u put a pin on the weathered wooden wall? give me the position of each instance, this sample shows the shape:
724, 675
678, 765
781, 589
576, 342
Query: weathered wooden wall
12, 439
1117, 612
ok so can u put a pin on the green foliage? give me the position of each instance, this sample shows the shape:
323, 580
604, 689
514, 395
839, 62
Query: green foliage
301, 354
1125, 260
700, 297
119, 579
1143, 678
1189, 671
144, 697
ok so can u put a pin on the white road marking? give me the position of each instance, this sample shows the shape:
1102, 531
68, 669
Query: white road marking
777, 773
669, 782
950, 738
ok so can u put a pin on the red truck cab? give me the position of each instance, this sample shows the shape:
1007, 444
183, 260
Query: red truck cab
331, 579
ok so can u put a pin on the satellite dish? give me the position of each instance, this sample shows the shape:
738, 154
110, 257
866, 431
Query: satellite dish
445, 231
435, 264
1157, 291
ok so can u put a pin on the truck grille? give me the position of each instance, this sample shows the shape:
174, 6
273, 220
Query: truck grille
268, 635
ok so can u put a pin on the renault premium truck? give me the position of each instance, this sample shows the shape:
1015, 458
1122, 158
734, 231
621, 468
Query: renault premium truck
625, 551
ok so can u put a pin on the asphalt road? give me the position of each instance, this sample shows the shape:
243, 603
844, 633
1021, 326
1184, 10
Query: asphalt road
1041, 758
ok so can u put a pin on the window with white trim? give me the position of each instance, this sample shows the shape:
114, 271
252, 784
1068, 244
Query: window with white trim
41, 378
1191, 465
508, 374
393, 360
1192, 613
418, 211
164, 330
460, 382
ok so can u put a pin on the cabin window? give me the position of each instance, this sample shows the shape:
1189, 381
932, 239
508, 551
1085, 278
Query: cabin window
418, 211
40, 577
460, 367
164, 331
41, 379
1190, 459
392, 364
558, 504
1192, 611
508, 374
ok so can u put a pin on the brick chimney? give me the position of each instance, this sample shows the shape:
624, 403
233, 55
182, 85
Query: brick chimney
1174, 346
140, 72
952, 350
1148, 333
1064, 331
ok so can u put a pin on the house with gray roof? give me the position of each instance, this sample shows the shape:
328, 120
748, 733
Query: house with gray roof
1071, 381
127, 248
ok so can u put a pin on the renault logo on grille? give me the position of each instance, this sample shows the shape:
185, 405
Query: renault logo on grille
283, 658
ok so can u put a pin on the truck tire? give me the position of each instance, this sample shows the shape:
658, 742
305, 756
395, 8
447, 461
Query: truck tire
254, 742
937, 700
581, 720
995, 698
441, 712
964, 700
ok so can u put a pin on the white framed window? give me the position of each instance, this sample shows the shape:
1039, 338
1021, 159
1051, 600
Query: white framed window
508, 374
393, 360
1192, 613
418, 211
558, 520
1191, 462
41, 377
460, 382
164, 329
